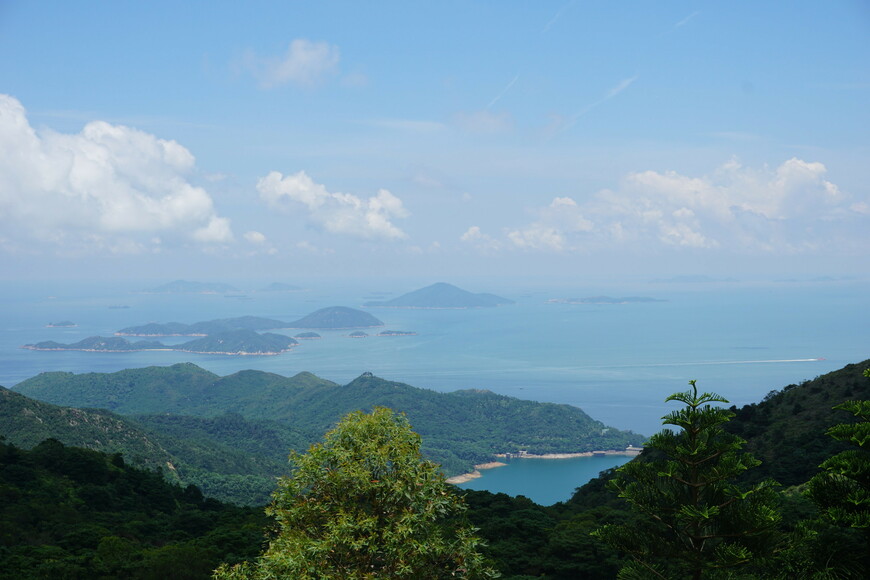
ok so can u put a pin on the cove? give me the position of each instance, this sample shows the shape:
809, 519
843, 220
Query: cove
544, 481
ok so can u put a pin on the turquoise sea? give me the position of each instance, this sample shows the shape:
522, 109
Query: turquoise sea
616, 361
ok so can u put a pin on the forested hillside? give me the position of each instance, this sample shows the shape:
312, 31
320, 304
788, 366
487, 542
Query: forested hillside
783, 429
26, 422
459, 429
68, 512
787, 431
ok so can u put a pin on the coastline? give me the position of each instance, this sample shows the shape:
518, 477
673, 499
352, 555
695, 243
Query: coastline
631, 452
242, 353
466, 477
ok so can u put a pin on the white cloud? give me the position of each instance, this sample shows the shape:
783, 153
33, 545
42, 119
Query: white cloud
217, 230
307, 246
337, 213
304, 64
480, 240
555, 224
538, 236
792, 208
255, 237
109, 186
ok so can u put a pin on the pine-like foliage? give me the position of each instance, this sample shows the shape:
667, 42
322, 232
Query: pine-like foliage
364, 504
842, 490
698, 523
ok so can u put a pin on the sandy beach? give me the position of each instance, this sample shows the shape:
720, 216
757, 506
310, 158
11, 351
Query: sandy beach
466, 477
474, 474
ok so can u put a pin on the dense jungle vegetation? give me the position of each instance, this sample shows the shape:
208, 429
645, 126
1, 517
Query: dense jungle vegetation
76, 513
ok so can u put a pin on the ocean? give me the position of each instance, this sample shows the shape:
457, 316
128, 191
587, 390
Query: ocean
617, 362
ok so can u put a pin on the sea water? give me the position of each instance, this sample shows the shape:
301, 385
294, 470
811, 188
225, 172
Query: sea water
617, 362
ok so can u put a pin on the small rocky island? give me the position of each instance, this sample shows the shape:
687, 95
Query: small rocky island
358, 334
441, 295
307, 336
61, 324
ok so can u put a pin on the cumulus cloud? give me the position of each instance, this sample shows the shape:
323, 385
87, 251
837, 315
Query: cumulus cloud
255, 237
108, 186
304, 64
337, 213
791, 208
478, 239
555, 223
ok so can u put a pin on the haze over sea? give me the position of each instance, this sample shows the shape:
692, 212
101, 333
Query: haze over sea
615, 361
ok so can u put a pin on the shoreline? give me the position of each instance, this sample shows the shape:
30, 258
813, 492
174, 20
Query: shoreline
466, 477
270, 353
629, 452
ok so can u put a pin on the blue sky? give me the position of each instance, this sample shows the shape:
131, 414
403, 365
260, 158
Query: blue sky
217, 140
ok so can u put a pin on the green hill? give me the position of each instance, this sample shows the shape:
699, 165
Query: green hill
182, 388
69, 512
203, 328
336, 317
99, 344
441, 295
786, 429
228, 456
231, 342
458, 429
26, 422
241, 341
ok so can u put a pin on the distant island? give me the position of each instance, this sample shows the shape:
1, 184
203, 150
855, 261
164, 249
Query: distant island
603, 300
692, 279
185, 287
441, 295
396, 333
235, 342
358, 334
240, 342
205, 328
307, 336
99, 344
61, 324
279, 287
336, 318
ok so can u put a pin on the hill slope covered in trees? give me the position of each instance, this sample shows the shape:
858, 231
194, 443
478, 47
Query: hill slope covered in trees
459, 429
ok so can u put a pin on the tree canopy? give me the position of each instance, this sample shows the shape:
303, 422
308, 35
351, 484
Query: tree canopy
365, 504
697, 520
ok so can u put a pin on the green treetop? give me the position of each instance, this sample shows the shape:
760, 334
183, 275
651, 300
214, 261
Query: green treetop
364, 504
697, 523
842, 490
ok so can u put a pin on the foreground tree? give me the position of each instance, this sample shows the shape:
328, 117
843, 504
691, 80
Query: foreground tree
842, 490
697, 522
364, 504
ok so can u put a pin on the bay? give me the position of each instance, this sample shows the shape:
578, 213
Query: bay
544, 481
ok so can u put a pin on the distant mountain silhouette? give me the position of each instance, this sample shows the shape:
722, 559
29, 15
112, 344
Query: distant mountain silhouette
441, 295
